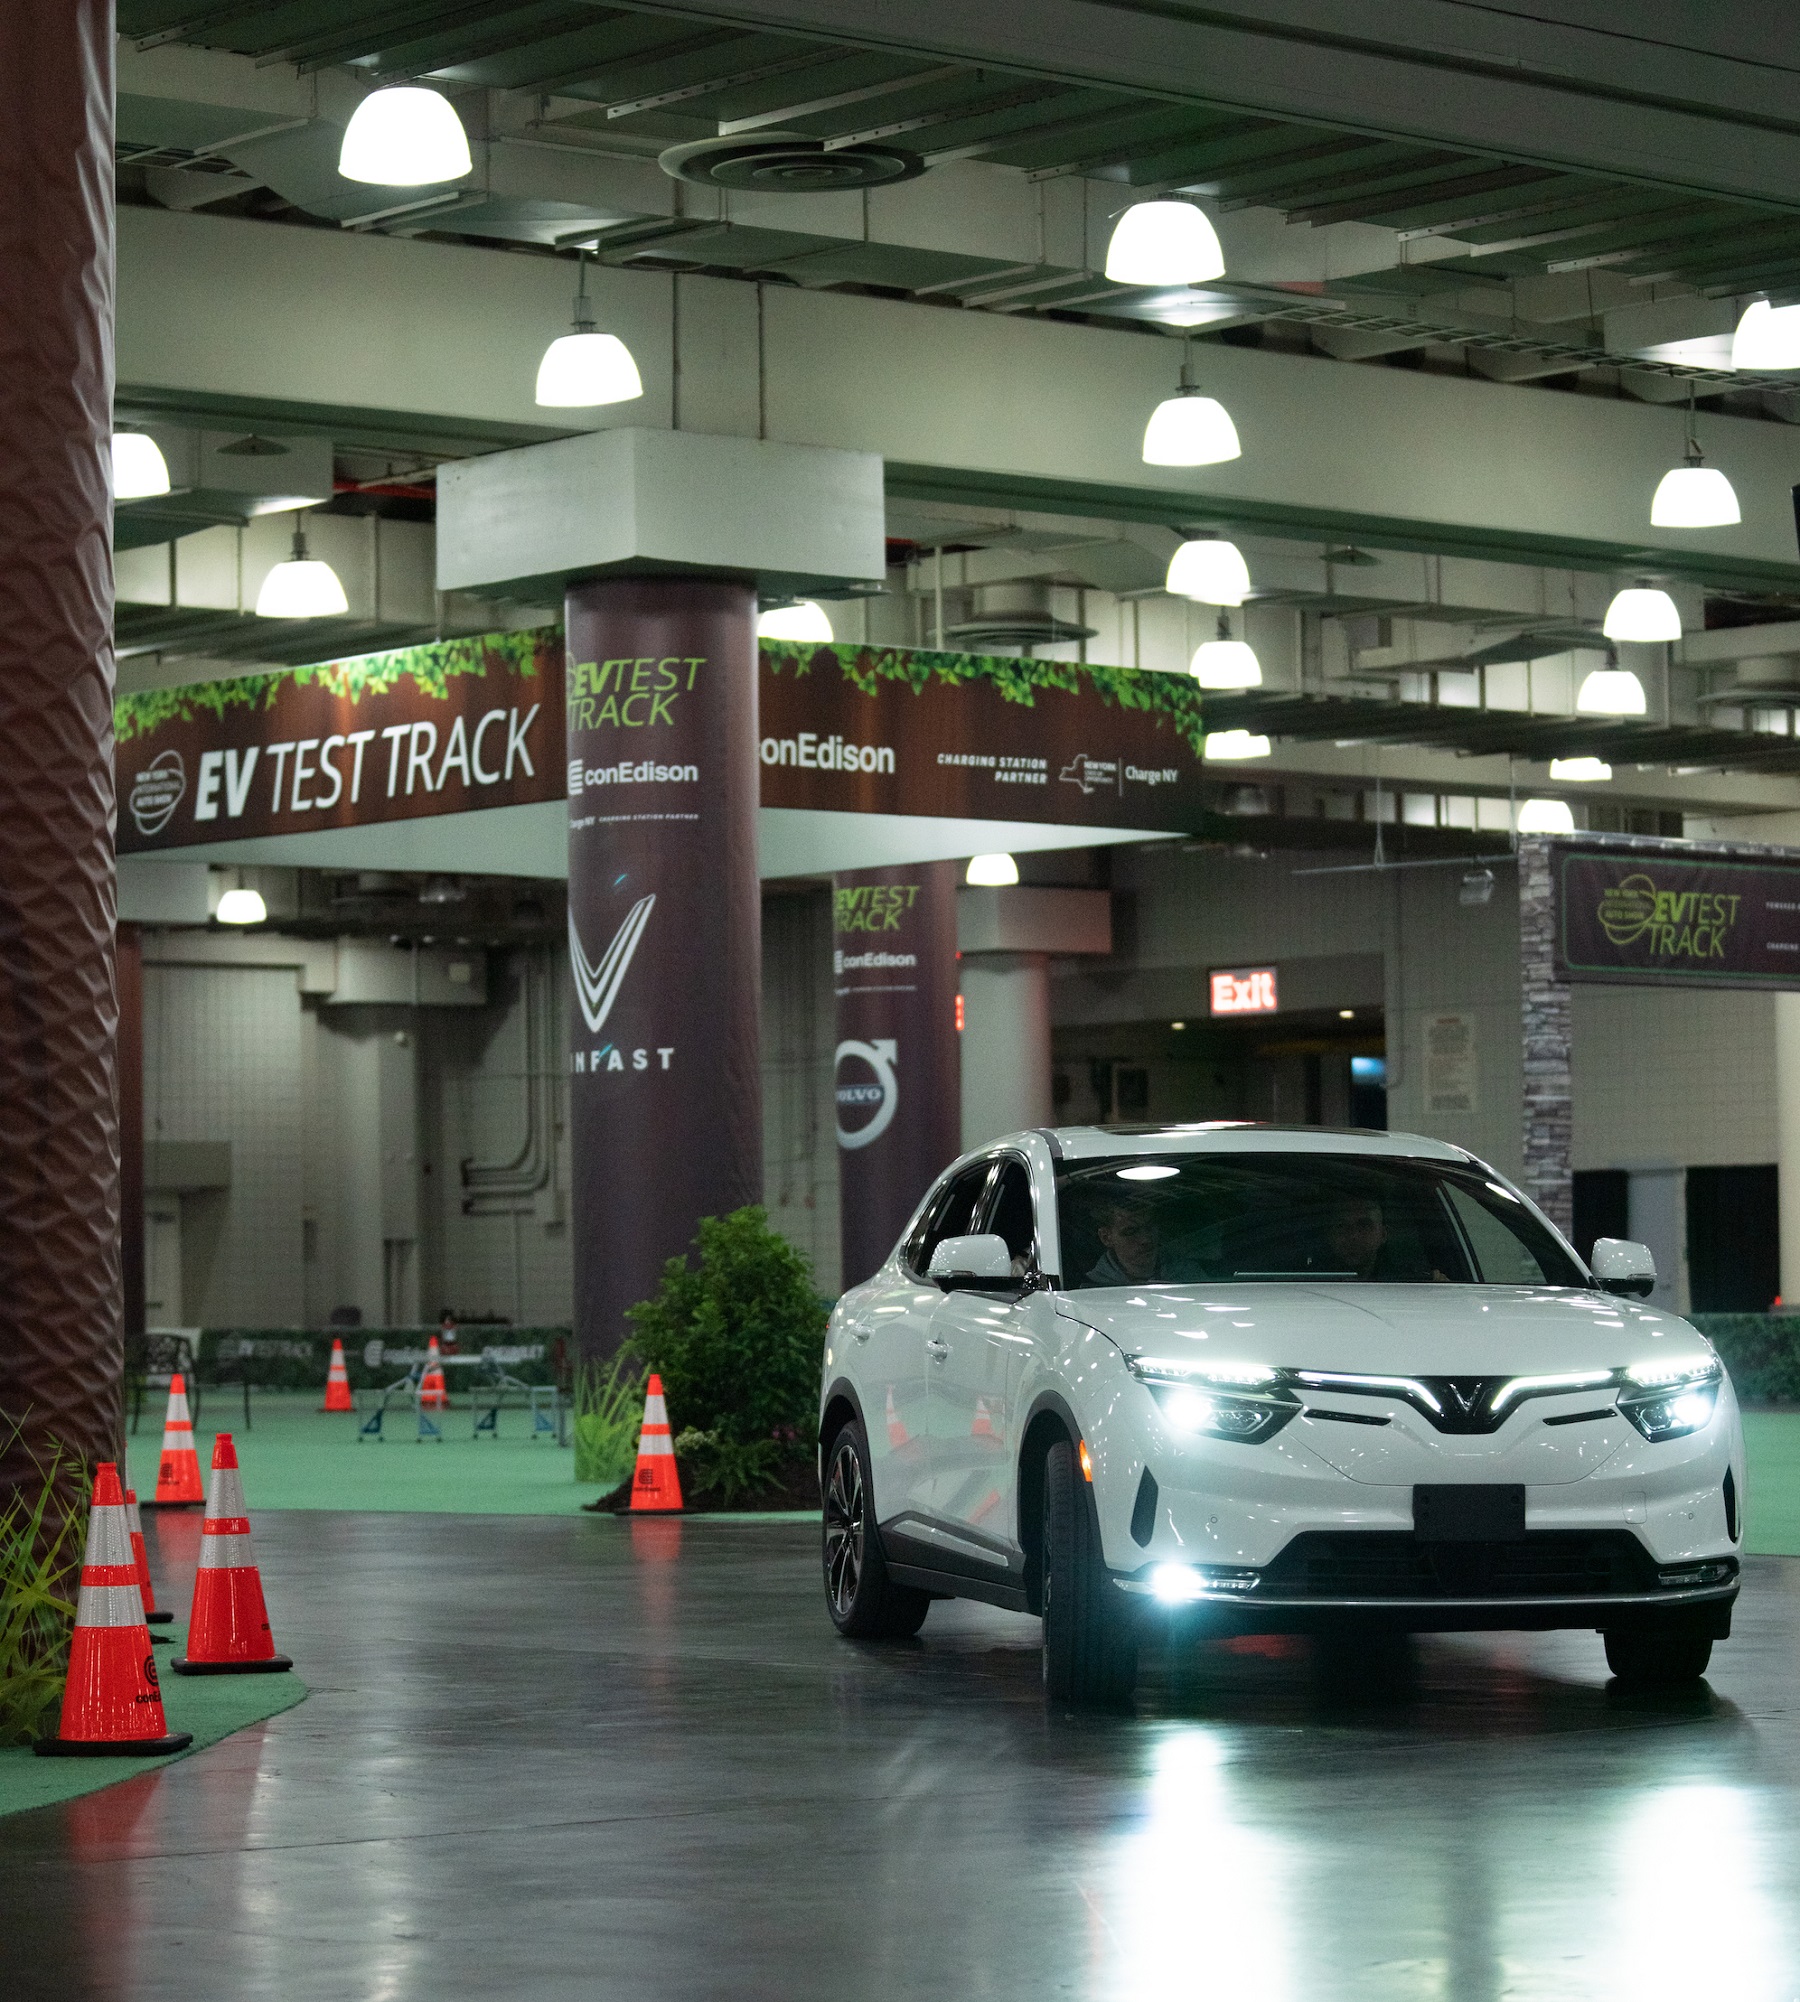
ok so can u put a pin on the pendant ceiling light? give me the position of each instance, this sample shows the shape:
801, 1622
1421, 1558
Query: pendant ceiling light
1581, 771
1225, 745
1611, 691
241, 907
139, 469
1546, 816
301, 588
1767, 337
1210, 571
991, 872
1694, 494
1164, 243
1224, 663
404, 137
584, 368
805, 622
1643, 614
1188, 429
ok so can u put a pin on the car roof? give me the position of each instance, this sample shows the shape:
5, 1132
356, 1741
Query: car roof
1221, 1136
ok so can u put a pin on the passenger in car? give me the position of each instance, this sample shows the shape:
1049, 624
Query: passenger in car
1133, 1253
1356, 1240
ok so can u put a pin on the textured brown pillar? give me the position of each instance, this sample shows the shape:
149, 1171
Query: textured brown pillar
1549, 1125
59, 1137
898, 1077
131, 1126
665, 929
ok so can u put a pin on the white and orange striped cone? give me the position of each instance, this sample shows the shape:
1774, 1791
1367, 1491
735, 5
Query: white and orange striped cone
337, 1381
898, 1435
983, 1427
432, 1393
228, 1629
656, 1486
112, 1702
178, 1471
141, 1555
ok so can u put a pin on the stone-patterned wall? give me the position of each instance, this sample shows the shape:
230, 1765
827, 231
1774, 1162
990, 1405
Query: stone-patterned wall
1547, 1145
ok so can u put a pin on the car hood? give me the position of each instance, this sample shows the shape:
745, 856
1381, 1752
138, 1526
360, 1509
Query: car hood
1389, 1330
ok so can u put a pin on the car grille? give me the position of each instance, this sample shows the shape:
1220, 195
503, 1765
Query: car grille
1390, 1564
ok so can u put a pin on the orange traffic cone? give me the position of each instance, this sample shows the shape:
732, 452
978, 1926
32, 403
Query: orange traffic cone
656, 1486
983, 1427
178, 1471
141, 1557
112, 1704
898, 1435
337, 1381
431, 1385
228, 1629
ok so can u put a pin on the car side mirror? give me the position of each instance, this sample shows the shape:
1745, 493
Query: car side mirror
1619, 1266
971, 1262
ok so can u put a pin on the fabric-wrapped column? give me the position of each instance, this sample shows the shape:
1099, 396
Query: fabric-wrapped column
60, 1342
665, 929
897, 1076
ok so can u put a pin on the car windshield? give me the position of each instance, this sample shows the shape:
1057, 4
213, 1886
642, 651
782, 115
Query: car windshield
1145, 1219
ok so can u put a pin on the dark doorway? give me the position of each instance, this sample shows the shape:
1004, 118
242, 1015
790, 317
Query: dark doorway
1734, 1240
1602, 1206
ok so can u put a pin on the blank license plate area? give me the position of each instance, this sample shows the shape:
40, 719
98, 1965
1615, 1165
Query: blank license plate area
1489, 1512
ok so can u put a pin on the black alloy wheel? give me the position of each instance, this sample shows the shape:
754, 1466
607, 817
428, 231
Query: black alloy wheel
1660, 1656
863, 1601
1090, 1633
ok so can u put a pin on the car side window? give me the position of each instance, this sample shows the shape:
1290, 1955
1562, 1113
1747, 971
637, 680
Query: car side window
1012, 1215
952, 1215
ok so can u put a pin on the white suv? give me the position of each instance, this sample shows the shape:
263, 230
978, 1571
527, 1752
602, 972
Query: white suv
1289, 1380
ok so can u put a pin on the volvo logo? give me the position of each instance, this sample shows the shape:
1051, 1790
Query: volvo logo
877, 1093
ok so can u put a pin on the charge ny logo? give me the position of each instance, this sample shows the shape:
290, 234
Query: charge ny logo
597, 987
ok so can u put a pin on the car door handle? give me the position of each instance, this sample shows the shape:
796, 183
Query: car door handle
937, 1348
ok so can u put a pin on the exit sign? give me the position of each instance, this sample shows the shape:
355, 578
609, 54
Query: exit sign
1244, 990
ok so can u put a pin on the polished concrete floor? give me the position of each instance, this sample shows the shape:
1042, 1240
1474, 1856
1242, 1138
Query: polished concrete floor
590, 1758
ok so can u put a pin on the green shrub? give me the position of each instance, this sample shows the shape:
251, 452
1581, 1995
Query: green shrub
738, 1340
609, 1408
725, 1470
41, 1536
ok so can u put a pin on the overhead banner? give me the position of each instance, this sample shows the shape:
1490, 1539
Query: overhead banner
897, 1082
665, 930
970, 737
449, 727
1636, 918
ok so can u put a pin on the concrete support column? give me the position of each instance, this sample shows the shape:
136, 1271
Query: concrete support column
665, 929
1006, 1044
1787, 1139
1547, 1141
60, 1302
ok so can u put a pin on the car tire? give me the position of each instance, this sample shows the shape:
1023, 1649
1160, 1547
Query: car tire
1660, 1656
863, 1601
1090, 1639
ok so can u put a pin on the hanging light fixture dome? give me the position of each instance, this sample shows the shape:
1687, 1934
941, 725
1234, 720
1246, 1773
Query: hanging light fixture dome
1225, 663
1580, 771
1189, 429
583, 369
1546, 816
991, 872
805, 622
1229, 745
1642, 614
404, 137
1210, 571
139, 469
1611, 691
301, 588
1767, 337
241, 907
1695, 495
1164, 243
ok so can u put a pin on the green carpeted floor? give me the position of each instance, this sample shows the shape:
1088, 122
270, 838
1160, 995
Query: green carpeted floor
1772, 1518
295, 1456
211, 1706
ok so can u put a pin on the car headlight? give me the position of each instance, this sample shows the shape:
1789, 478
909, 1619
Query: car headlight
1217, 1401
1669, 1400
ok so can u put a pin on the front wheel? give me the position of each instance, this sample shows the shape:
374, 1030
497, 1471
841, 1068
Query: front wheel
1660, 1656
1090, 1641
863, 1601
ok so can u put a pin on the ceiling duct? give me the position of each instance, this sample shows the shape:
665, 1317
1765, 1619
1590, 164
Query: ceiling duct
789, 163
1012, 618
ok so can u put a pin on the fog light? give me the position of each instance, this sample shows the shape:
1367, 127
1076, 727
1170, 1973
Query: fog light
1714, 1573
1176, 1584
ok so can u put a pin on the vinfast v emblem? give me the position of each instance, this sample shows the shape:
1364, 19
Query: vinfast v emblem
597, 986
